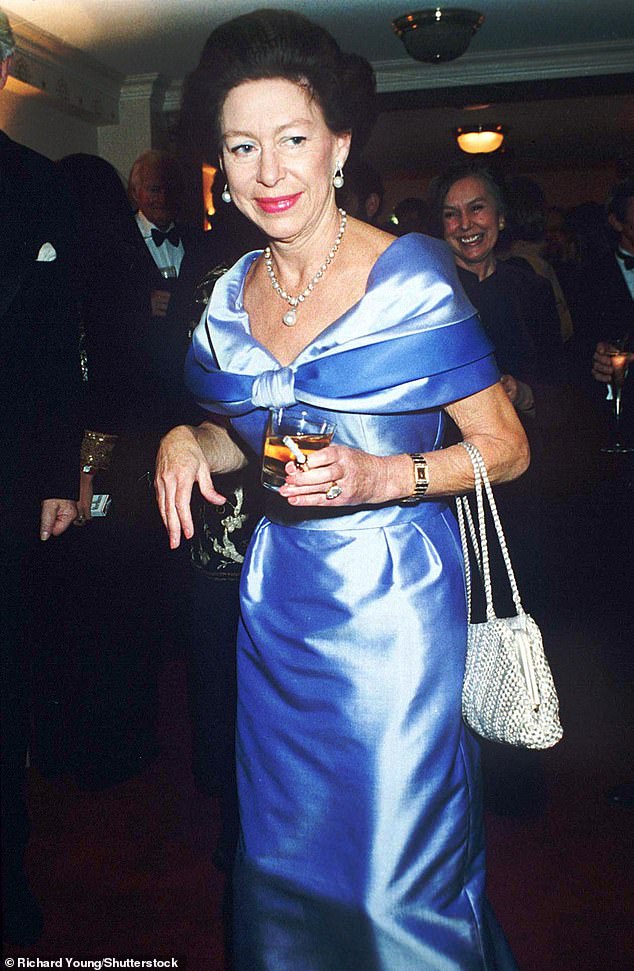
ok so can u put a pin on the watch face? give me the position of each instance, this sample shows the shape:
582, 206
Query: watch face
420, 476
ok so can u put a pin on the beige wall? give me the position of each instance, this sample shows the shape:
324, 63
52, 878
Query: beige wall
121, 144
571, 186
33, 121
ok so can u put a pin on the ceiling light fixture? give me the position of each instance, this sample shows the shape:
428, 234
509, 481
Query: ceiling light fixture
480, 140
437, 35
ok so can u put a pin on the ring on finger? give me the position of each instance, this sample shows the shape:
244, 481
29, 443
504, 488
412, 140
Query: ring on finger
334, 491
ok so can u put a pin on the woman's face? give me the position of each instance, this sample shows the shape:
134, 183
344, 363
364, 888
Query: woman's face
472, 224
279, 157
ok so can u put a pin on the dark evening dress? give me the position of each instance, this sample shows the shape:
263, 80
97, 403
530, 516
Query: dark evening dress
361, 843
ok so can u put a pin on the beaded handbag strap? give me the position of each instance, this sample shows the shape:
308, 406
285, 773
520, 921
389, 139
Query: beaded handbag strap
464, 514
479, 542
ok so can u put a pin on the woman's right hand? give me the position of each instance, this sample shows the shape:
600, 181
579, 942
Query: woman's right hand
180, 462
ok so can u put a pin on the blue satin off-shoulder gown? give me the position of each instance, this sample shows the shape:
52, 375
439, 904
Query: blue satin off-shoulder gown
361, 842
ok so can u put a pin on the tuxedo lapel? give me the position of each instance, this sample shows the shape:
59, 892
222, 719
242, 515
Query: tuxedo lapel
18, 247
13, 270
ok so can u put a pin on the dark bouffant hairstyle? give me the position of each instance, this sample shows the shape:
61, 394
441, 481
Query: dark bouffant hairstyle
440, 186
275, 44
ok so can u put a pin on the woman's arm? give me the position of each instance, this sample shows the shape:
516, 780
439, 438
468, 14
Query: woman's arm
188, 454
487, 419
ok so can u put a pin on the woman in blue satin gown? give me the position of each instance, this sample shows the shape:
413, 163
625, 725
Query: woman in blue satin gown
360, 813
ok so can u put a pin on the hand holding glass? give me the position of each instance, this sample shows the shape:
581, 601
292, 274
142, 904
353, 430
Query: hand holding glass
620, 359
291, 436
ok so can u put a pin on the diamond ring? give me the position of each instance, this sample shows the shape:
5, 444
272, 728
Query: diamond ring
334, 491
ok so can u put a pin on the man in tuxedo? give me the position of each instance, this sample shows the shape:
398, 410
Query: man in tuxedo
137, 322
137, 327
39, 442
177, 256
617, 324
610, 292
606, 303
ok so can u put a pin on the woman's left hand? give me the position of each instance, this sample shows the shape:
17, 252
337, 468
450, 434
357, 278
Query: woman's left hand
350, 477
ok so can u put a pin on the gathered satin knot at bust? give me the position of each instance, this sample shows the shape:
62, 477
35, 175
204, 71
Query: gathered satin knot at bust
274, 389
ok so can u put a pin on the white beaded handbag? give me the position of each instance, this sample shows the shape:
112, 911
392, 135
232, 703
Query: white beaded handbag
508, 693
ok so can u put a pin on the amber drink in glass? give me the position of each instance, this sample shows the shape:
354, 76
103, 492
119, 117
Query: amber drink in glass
291, 436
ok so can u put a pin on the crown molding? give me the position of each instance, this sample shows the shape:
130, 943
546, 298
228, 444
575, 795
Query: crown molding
173, 96
138, 87
493, 67
525, 64
148, 88
83, 87
75, 83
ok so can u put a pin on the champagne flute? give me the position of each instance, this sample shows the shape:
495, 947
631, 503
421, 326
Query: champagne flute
620, 364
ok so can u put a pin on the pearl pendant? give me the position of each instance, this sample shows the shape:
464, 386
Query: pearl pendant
290, 317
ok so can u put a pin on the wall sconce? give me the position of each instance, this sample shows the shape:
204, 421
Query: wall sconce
437, 35
208, 173
480, 140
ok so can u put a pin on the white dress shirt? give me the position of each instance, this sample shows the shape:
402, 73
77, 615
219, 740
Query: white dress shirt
166, 255
628, 275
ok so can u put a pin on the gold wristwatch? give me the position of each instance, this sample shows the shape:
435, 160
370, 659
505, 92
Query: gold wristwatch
421, 478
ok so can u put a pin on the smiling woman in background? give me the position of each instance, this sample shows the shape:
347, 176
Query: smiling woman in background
361, 834
517, 307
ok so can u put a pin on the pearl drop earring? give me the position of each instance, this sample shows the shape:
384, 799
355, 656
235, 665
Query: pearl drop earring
337, 179
226, 195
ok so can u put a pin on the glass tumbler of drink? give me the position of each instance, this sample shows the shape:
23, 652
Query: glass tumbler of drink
291, 436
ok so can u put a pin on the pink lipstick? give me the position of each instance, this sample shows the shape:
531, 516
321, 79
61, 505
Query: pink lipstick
272, 204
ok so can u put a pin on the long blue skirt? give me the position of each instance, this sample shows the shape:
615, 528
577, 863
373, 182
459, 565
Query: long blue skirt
361, 842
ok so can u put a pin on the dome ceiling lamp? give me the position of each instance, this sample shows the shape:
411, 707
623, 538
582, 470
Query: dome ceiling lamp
438, 34
480, 139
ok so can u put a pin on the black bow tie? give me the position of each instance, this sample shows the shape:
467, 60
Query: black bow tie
172, 235
626, 258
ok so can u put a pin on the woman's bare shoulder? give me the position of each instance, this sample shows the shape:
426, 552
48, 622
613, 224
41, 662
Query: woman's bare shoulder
368, 243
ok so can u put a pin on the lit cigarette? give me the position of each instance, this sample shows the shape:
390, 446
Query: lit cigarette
295, 451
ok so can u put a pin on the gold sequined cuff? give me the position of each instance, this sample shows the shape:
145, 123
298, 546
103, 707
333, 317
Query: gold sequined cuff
96, 450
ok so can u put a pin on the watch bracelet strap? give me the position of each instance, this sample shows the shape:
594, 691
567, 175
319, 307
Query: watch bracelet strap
421, 479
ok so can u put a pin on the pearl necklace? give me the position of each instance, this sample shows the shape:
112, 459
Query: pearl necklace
290, 317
